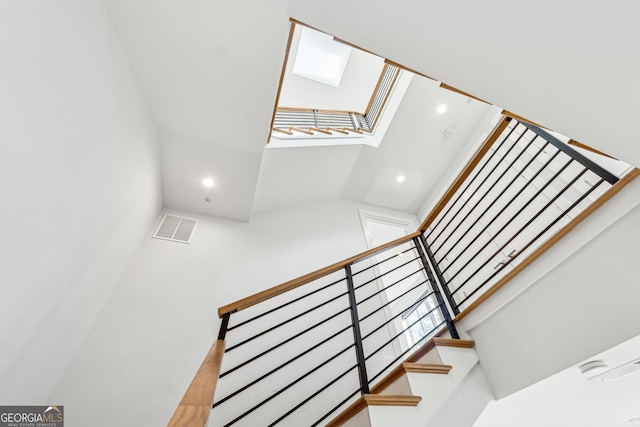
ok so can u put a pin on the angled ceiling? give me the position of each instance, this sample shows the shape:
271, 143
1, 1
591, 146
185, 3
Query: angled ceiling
209, 71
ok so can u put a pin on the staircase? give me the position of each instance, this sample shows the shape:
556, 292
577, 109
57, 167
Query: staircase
360, 342
440, 385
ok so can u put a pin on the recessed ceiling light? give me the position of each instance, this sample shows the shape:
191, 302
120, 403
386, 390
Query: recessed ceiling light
400, 178
207, 182
441, 108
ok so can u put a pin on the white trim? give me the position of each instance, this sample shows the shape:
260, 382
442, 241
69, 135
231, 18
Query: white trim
408, 223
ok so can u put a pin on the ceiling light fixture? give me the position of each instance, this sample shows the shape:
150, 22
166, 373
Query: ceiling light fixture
400, 178
207, 182
441, 108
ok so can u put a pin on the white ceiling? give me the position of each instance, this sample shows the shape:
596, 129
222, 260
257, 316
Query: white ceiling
210, 72
414, 146
358, 83
569, 399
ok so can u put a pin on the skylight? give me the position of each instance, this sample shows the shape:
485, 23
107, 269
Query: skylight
320, 58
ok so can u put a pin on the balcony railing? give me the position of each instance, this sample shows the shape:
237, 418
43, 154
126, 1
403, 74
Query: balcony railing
301, 121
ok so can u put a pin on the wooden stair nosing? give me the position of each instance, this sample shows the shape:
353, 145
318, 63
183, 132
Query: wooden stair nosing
398, 371
373, 400
426, 368
391, 400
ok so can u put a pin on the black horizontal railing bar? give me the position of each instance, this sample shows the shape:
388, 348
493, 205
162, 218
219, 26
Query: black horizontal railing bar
484, 196
291, 319
399, 333
392, 300
489, 175
525, 186
390, 286
332, 410
384, 260
395, 316
537, 237
288, 362
524, 227
585, 161
385, 273
286, 304
468, 184
287, 387
513, 217
280, 344
547, 228
495, 200
404, 353
291, 411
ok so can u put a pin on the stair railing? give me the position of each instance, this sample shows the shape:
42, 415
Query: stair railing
313, 344
311, 350
525, 191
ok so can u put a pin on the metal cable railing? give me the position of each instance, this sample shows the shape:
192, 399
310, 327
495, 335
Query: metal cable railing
525, 188
389, 75
322, 122
312, 350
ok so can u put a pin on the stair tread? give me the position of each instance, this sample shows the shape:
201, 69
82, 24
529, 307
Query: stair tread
409, 365
373, 400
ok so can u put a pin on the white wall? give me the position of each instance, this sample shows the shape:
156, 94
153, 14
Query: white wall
162, 318
578, 299
79, 184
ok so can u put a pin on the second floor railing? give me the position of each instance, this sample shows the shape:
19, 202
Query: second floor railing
306, 121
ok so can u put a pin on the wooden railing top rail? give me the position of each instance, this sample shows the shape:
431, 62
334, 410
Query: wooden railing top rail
633, 174
307, 278
311, 110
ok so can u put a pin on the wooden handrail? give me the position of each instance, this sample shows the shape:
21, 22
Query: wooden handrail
470, 166
307, 278
195, 406
551, 241
586, 147
384, 101
520, 118
453, 89
375, 91
311, 110
282, 73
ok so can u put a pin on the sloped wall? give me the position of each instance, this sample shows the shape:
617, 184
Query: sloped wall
160, 321
80, 184
578, 299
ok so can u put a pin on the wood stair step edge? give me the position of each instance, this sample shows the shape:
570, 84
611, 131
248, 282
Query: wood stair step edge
450, 342
373, 400
405, 367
